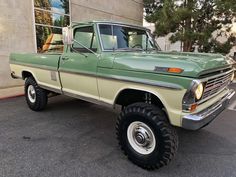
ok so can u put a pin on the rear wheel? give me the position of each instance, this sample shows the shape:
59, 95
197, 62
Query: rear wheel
36, 97
145, 136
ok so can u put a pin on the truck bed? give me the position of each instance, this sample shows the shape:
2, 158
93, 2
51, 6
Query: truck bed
44, 67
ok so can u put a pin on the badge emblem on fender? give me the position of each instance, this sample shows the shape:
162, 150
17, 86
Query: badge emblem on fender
53, 76
160, 69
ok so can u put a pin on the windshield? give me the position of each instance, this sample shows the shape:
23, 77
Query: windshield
115, 37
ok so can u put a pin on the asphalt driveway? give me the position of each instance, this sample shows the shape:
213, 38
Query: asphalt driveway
75, 138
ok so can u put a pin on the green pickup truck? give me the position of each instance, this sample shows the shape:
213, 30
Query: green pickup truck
121, 66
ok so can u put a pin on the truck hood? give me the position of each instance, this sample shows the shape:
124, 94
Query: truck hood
193, 64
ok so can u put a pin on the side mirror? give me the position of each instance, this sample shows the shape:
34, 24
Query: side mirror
67, 34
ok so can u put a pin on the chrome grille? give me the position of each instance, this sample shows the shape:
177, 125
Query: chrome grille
217, 84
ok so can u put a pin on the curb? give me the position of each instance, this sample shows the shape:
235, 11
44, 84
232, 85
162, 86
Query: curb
12, 96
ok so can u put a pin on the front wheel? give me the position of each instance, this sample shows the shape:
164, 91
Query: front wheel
36, 97
145, 136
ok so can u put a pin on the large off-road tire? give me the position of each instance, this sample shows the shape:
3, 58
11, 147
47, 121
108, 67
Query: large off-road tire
36, 97
145, 136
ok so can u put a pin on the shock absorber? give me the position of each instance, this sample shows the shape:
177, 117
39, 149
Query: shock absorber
148, 98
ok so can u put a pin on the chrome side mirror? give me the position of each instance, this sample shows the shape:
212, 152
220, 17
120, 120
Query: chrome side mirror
67, 34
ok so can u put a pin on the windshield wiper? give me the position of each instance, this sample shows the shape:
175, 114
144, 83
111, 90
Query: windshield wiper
128, 49
152, 49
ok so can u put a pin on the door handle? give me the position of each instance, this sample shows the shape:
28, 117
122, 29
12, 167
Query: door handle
65, 58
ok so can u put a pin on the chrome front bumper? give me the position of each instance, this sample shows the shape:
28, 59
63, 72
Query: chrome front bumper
203, 118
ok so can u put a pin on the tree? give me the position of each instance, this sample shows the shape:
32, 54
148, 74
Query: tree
219, 47
191, 21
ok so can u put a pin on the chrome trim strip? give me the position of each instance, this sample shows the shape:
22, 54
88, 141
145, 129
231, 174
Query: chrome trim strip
91, 100
51, 89
143, 81
99, 36
44, 67
112, 77
78, 73
189, 96
127, 79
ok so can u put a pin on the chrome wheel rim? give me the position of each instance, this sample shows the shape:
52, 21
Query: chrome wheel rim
141, 137
31, 94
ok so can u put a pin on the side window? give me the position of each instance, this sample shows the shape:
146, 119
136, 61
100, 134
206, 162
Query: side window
85, 36
108, 40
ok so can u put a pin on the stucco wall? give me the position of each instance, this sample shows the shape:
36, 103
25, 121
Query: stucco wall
17, 30
16, 34
121, 10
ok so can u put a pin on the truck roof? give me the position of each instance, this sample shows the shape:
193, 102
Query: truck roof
107, 22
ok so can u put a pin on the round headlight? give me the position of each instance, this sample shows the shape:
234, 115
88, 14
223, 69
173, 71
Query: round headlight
232, 78
199, 91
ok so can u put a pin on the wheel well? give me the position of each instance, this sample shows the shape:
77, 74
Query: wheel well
26, 74
130, 96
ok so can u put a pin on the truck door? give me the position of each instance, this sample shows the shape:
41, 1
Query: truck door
78, 66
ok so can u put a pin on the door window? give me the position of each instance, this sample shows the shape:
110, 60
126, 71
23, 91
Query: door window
86, 37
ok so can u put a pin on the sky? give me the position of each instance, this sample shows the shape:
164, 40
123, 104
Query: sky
56, 6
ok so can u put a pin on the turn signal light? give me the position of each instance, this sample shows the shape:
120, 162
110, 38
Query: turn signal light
193, 107
175, 70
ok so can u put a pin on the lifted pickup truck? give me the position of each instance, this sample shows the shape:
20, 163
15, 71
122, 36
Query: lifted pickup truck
114, 64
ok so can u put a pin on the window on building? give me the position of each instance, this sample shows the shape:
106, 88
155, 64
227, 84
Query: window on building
50, 17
